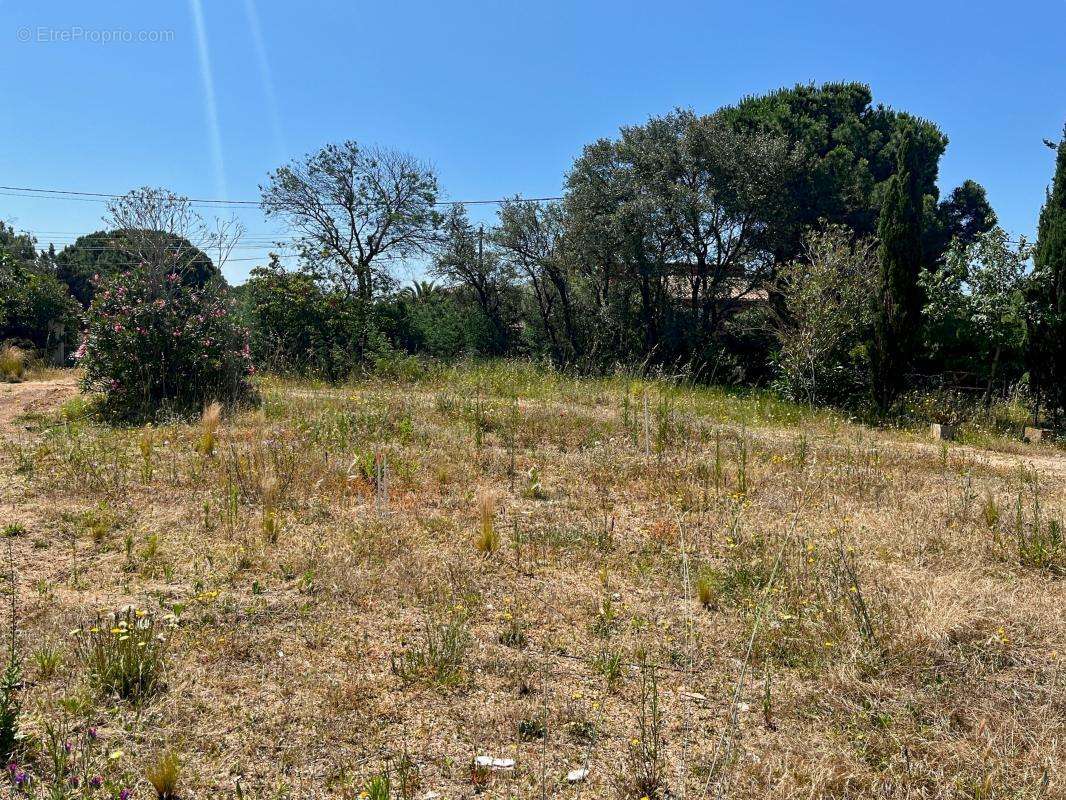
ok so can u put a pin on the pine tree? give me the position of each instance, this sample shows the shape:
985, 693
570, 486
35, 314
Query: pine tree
899, 299
1047, 335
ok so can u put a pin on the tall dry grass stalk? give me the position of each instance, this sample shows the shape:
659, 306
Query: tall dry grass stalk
488, 538
270, 523
209, 422
164, 775
13, 362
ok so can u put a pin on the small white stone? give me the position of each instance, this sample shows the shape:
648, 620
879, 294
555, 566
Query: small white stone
431, 795
577, 775
745, 707
496, 764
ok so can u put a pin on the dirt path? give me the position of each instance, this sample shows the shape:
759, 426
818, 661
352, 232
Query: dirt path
40, 396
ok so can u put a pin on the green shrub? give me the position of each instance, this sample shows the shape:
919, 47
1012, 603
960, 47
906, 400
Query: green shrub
156, 345
297, 325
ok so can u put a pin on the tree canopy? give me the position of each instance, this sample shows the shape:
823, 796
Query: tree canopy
106, 253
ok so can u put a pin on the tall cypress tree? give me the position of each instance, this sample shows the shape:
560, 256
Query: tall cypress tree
1048, 330
899, 302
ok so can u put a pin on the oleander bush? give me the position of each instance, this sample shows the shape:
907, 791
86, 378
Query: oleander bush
155, 346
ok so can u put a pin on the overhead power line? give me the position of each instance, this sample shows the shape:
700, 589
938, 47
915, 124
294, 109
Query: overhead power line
102, 197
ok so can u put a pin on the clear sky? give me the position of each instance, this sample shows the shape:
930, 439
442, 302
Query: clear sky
498, 96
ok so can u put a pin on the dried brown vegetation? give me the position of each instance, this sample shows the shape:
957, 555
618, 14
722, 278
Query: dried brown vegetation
681, 590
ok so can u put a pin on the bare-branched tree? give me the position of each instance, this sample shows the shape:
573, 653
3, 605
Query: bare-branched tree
353, 209
163, 232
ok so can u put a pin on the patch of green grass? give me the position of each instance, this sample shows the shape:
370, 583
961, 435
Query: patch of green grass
438, 657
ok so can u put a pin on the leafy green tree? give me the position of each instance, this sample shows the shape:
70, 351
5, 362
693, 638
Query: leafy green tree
668, 231
962, 217
530, 238
713, 194
619, 254
20, 246
1047, 356
446, 323
466, 258
825, 316
35, 308
106, 253
353, 210
899, 296
975, 303
849, 148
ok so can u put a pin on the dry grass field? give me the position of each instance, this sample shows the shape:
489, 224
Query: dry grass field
685, 592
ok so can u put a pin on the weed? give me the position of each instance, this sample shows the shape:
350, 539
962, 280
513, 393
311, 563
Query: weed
1041, 546
530, 730
13, 362
603, 624
209, 423
47, 659
11, 681
767, 699
146, 444
71, 765
488, 538
165, 775
534, 489
514, 632
439, 657
479, 776
98, 522
645, 776
707, 592
1038, 542
990, 512
378, 788
269, 521
609, 664
124, 654
742, 463
408, 776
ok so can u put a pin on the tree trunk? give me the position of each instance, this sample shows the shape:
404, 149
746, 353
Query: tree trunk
992, 377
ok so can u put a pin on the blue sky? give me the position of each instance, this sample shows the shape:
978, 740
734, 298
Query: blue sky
498, 96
